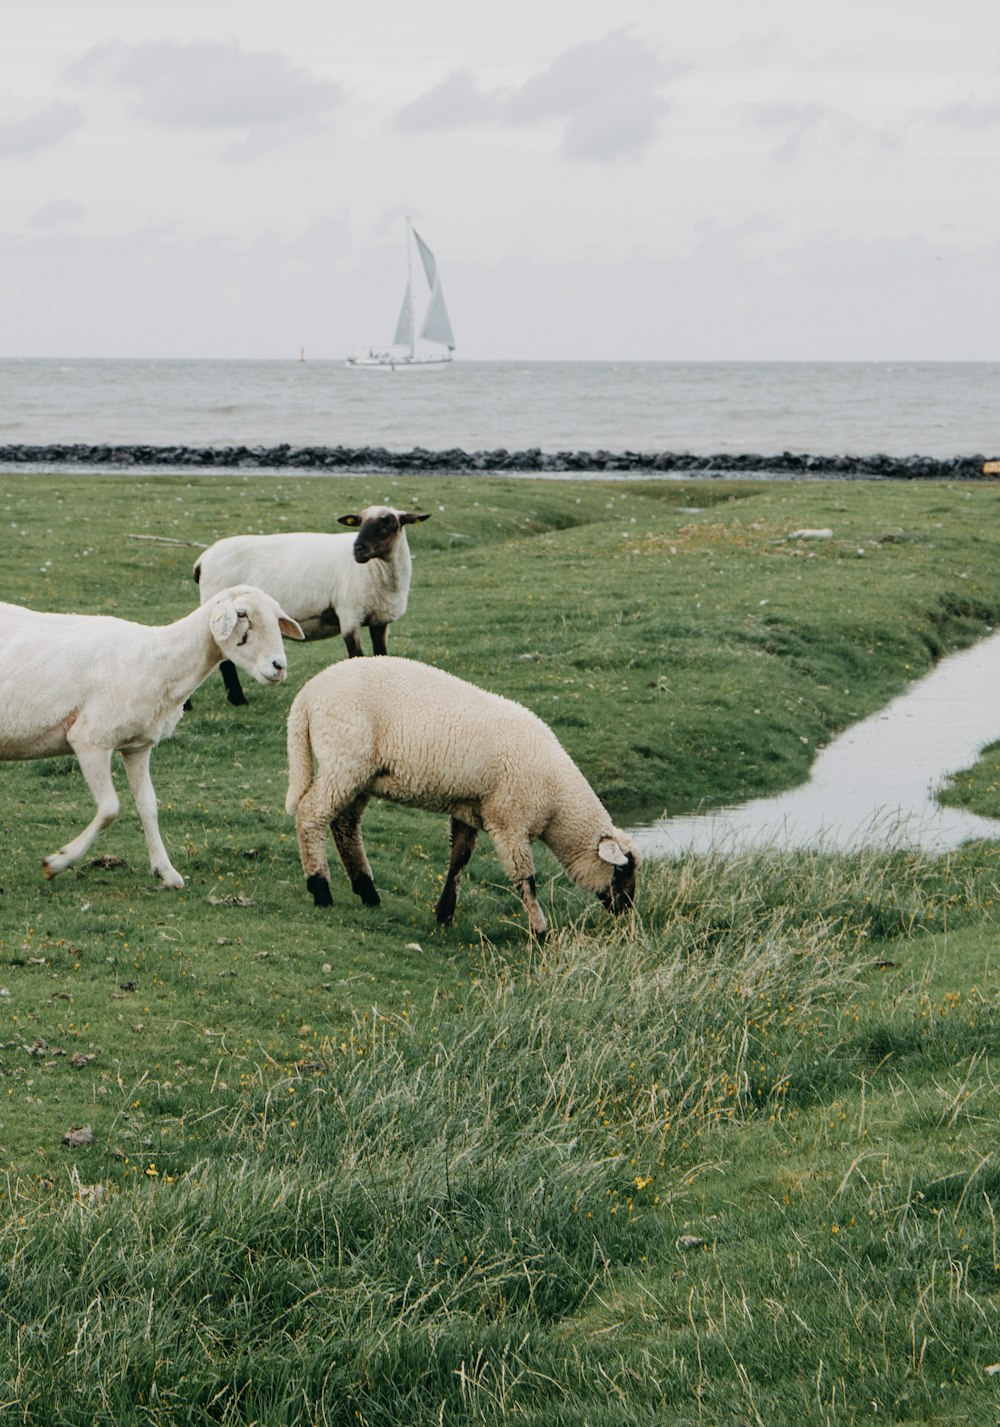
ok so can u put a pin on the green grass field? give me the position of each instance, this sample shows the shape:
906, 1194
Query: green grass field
734, 1161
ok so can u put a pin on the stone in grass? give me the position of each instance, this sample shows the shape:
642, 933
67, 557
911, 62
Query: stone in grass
78, 1137
690, 1241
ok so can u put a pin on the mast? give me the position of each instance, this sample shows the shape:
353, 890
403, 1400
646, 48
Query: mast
409, 288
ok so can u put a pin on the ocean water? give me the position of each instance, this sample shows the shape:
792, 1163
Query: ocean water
823, 408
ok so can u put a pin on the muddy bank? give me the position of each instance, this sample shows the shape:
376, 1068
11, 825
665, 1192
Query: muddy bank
748, 465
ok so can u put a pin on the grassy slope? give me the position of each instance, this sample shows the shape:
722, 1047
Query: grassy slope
685, 657
977, 788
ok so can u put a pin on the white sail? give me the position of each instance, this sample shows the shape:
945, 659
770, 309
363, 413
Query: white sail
436, 327
404, 326
426, 257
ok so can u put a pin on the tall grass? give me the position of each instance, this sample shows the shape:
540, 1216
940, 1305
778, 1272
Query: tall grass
440, 1216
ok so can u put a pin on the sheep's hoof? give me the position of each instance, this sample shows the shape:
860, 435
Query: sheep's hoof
364, 887
320, 889
444, 913
237, 699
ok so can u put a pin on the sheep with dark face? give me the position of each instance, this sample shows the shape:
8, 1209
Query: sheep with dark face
401, 730
91, 684
330, 584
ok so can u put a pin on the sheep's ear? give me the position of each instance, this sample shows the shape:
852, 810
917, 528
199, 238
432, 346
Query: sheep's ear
288, 626
609, 851
224, 618
409, 517
352, 520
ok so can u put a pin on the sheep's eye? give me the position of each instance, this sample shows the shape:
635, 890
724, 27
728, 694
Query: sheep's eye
243, 615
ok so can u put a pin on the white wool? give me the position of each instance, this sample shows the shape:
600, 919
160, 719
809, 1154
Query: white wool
311, 573
94, 684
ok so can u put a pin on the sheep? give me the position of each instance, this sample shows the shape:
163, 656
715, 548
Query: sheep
402, 730
331, 584
90, 684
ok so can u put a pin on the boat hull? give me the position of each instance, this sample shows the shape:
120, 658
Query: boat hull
397, 364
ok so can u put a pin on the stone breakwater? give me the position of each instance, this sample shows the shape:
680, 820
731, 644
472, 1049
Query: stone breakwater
788, 464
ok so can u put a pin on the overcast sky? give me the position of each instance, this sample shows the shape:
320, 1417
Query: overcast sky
676, 179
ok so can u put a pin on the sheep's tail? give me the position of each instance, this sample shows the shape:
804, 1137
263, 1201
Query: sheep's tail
300, 756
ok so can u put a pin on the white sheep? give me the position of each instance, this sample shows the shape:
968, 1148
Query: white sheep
331, 584
402, 730
90, 684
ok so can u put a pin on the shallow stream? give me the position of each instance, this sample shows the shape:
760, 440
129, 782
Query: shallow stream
875, 784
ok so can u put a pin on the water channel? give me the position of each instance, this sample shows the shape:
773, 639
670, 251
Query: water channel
875, 784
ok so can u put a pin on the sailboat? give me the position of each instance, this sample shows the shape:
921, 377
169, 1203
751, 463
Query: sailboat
435, 334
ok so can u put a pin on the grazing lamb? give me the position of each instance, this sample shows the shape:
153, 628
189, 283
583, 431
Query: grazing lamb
332, 584
397, 729
90, 684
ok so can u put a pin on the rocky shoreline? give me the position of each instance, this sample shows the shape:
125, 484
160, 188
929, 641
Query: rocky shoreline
787, 464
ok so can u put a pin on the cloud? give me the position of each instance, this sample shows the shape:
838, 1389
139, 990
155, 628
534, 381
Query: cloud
41, 131
211, 86
798, 122
971, 114
809, 122
57, 213
607, 94
452, 104
607, 91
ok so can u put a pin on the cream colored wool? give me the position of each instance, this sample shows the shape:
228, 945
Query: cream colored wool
405, 731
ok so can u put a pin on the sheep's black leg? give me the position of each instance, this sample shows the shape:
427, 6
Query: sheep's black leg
463, 841
346, 829
353, 643
318, 885
231, 679
378, 633
310, 826
362, 886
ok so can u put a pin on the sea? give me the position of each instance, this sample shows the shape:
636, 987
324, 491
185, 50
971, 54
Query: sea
936, 409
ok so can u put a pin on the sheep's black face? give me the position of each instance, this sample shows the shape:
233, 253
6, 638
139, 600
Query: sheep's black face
620, 895
376, 538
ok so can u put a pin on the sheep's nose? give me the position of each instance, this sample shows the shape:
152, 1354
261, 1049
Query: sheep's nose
280, 664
